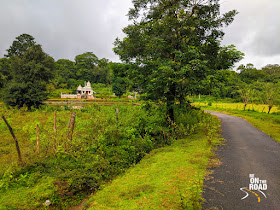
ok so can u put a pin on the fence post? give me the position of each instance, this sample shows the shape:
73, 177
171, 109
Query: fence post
54, 121
38, 139
117, 114
54, 129
16, 141
71, 125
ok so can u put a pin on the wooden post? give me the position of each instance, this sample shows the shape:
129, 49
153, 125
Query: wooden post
16, 142
117, 114
54, 121
54, 129
71, 125
38, 140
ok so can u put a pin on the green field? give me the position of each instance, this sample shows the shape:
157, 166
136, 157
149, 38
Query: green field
238, 106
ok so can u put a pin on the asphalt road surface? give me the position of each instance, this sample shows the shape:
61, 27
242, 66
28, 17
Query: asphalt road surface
248, 154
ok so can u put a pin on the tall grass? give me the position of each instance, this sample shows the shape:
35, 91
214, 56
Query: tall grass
102, 147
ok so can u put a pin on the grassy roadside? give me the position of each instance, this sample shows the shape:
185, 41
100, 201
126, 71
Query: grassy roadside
268, 123
65, 171
168, 178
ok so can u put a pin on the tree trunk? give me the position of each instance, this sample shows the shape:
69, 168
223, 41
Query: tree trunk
245, 106
182, 100
170, 103
269, 109
170, 111
16, 142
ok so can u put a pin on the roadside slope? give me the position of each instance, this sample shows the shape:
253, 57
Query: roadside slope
169, 178
247, 151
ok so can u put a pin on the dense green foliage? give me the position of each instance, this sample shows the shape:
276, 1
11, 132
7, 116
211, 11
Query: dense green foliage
152, 79
87, 67
30, 73
249, 85
174, 46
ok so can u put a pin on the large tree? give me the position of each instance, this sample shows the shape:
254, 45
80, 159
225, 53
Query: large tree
20, 45
175, 44
30, 74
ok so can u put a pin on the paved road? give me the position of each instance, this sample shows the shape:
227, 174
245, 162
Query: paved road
247, 151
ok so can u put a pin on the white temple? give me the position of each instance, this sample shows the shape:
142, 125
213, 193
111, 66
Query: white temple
81, 92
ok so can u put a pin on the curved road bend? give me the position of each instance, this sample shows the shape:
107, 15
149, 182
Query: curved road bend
247, 150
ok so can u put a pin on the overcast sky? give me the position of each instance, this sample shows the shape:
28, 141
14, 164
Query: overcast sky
66, 28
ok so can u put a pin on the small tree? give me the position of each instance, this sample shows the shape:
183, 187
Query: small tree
267, 93
270, 94
246, 94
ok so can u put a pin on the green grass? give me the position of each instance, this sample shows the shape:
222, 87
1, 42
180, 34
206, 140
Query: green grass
21, 197
167, 178
102, 148
268, 123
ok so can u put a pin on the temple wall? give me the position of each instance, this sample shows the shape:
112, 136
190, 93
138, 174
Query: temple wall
68, 95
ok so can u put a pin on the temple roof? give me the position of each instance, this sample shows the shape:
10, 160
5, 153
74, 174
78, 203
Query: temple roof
79, 87
86, 88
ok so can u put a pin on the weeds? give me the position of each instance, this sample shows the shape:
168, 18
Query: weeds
100, 149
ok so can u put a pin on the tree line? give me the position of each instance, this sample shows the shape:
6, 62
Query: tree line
171, 50
27, 73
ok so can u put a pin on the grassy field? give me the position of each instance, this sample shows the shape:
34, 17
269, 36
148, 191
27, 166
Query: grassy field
268, 123
103, 146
